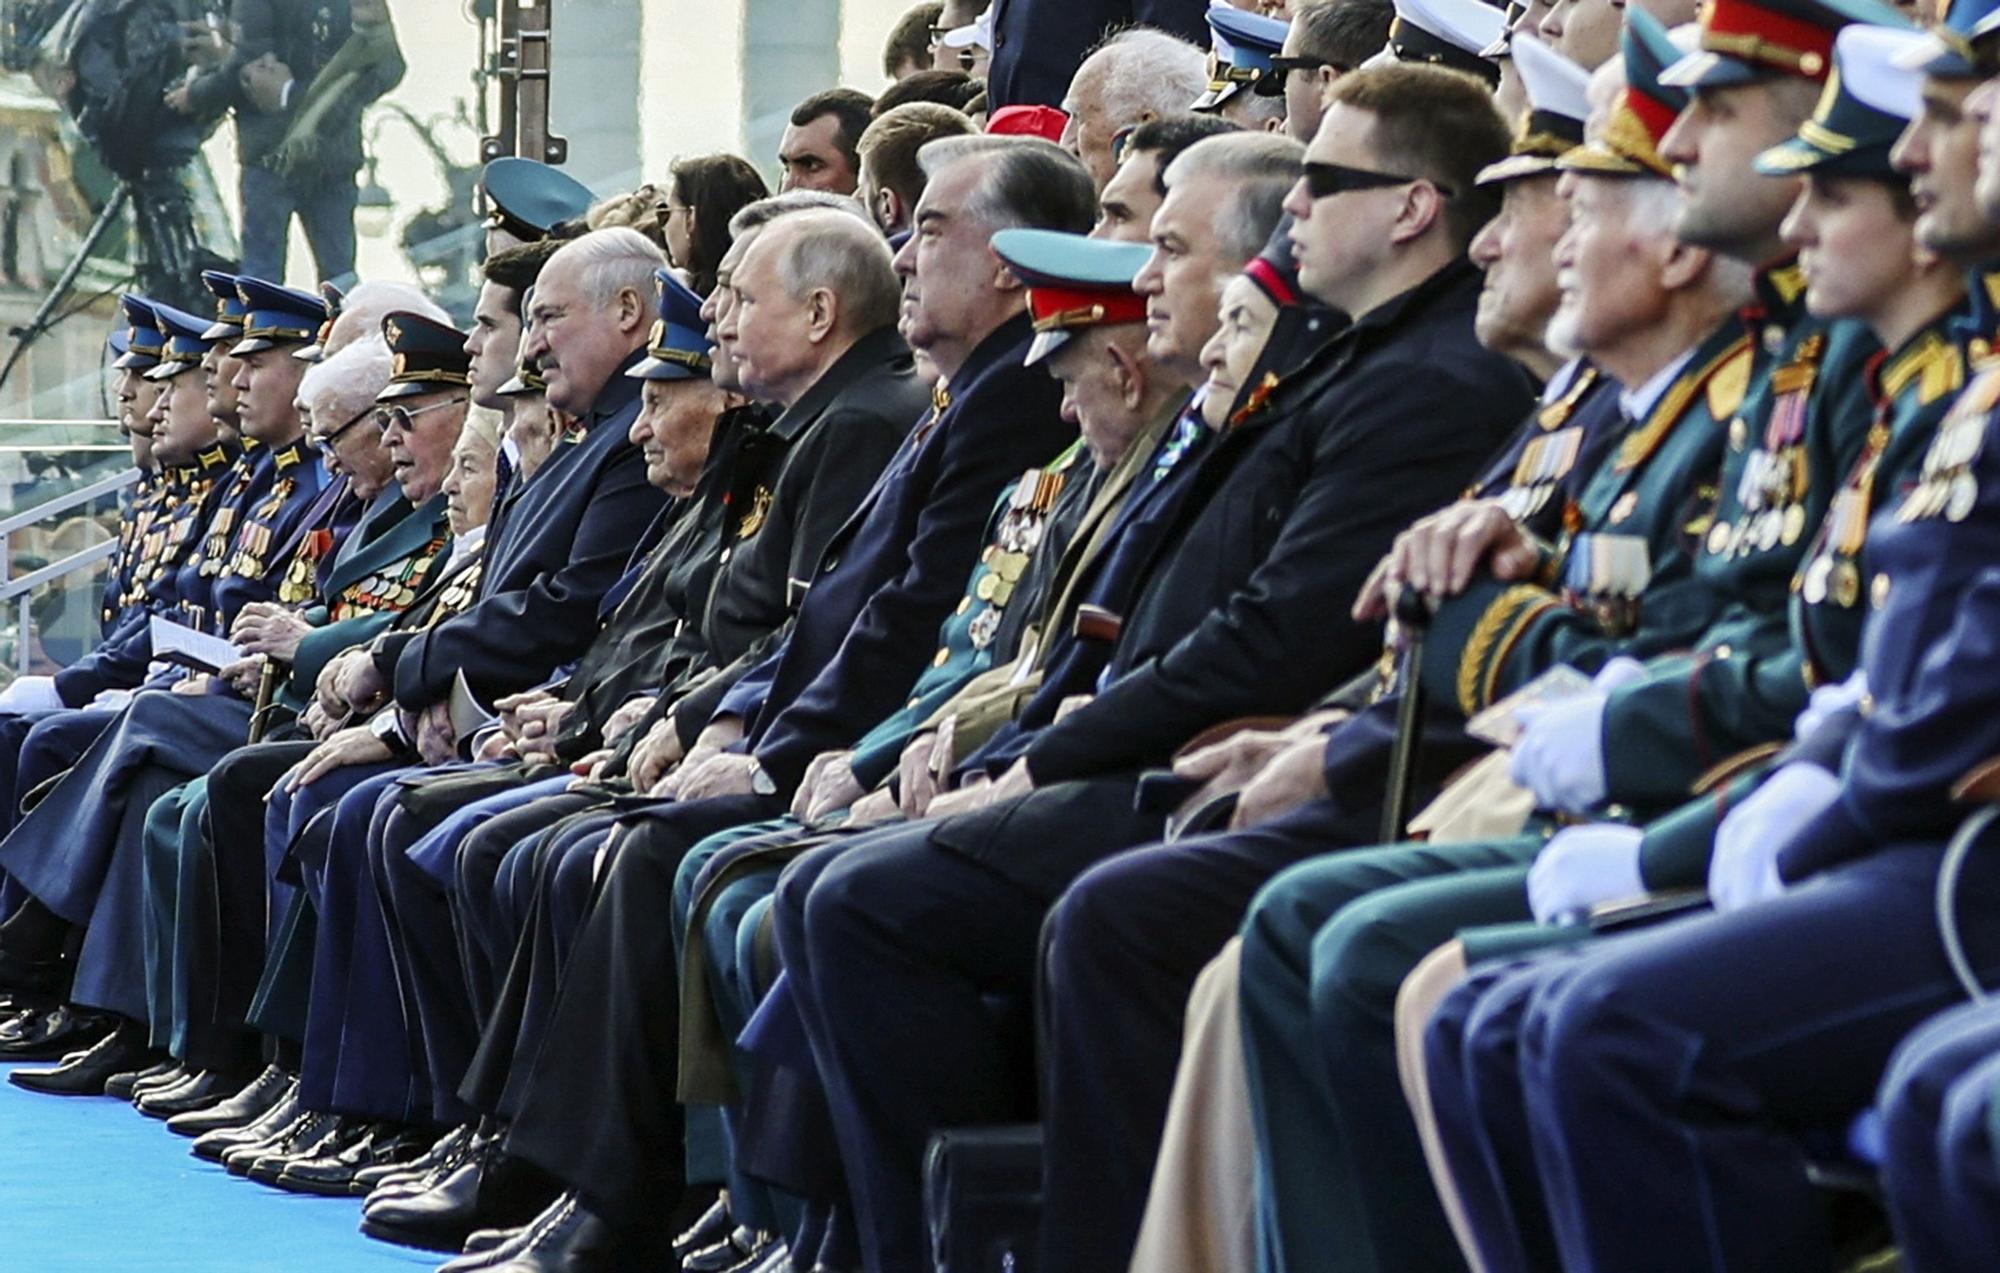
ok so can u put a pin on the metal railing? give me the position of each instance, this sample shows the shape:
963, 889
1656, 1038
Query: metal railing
20, 590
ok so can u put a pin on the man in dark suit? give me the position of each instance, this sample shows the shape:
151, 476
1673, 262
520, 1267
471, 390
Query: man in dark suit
874, 602
897, 945
1037, 44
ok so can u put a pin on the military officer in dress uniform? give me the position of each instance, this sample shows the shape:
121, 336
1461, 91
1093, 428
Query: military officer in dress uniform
1326, 941
1851, 196
529, 199
1242, 46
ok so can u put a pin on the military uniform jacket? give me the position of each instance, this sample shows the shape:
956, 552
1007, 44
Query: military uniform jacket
148, 497
1243, 609
1928, 650
1801, 429
992, 700
1620, 578
810, 470
893, 572
1025, 528
375, 572
554, 547
173, 584
1913, 388
252, 567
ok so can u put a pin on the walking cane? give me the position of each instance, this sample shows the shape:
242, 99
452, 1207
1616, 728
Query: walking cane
1414, 617
267, 690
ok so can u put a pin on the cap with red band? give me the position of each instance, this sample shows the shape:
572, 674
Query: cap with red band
1073, 282
1743, 41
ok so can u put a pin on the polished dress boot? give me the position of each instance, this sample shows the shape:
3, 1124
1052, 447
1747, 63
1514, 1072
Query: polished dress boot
250, 1102
85, 1073
162, 1082
304, 1122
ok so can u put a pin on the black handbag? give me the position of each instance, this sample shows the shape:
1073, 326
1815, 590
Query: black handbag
983, 1198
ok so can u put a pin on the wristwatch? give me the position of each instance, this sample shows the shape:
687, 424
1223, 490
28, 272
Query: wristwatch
761, 781
387, 726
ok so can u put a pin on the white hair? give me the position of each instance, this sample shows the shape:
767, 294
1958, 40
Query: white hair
483, 425
609, 261
1260, 168
363, 309
1142, 71
348, 379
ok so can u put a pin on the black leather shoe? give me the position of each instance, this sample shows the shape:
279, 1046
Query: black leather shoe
238, 1160
162, 1082
251, 1102
452, 1150
120, 1085
551, 1229
736, 1246
713, 1226
85, 1073
324, 1134
489, 1191
584, 1243
213, 1145
55, 1034
492, 1247
332, 1174
208, 1090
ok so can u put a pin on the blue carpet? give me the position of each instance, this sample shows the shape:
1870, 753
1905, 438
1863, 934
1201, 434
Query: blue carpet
88, 1185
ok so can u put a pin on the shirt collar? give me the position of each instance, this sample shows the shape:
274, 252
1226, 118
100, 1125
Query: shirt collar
1638, 403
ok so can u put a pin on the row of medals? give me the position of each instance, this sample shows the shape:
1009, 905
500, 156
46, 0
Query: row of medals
1946, 484
1773, 484
1006, 558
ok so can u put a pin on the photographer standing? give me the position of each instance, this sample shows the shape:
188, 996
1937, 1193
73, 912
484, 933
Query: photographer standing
298, 74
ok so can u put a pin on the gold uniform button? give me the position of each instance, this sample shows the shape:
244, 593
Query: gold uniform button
1878, 591
943, 657
1723, 651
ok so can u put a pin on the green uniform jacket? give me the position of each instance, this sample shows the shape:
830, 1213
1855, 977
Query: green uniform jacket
1657, 486
394, 545
1912, 389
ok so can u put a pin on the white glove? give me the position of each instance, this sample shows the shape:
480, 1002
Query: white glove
1560, 754
1828, 700
113, 699
1620, 671
31, 694
1744, 869
1581, 867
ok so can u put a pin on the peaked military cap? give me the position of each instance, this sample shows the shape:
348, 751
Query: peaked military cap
1073, 282
1868, 101
331, 299
1558, 103
425, 356
530, 198
1503, 44
679, 348
275, 315
1451, 33
527, 381
1629, 143
1244, 44
228, 324
143, 342
186, 342
1743, 41
1951, 49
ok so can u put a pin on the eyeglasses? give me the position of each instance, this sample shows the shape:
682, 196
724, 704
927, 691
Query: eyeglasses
387, 416
324, 443
938, 34
1272, 82
1323, 181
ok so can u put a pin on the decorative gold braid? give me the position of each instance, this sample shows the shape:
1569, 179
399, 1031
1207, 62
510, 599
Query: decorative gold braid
1486, 633
1640, 444
1505, 645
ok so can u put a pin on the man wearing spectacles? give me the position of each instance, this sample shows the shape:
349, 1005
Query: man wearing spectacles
1326, 40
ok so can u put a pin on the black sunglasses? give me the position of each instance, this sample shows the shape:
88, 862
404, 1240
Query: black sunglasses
1272, 82
385, 417
324, 444
1326, 180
